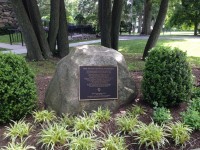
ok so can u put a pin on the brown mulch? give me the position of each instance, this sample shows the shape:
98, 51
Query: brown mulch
42, 83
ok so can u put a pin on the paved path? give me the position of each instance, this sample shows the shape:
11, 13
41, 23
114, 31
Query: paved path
16, 48
19, 49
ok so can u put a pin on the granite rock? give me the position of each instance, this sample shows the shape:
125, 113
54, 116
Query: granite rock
62, 94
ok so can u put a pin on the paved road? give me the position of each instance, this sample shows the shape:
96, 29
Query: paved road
18, 49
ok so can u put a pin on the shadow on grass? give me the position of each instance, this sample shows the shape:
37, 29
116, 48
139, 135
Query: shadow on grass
4, 49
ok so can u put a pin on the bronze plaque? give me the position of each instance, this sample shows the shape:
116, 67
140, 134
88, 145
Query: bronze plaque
98, 83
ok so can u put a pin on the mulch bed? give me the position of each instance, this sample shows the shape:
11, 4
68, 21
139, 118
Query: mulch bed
42, 83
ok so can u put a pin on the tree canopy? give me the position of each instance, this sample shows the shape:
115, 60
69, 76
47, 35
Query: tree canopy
105, 15
187, 12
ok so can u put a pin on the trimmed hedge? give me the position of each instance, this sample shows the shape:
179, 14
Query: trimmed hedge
17, 88
167, 79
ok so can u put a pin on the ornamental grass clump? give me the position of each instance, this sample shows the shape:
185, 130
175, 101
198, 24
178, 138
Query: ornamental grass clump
85, 124
126, 124
102, 115
54, 135
18, 146
135, 111
44, 116
113, 142
151, 135
19, 129
17, 88
167, 77
66, 120
179, 132
82, 142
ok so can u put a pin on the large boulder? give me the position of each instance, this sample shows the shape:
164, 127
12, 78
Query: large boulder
62, 94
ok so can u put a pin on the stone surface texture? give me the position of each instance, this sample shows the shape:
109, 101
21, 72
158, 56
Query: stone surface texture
7, 17
62, 94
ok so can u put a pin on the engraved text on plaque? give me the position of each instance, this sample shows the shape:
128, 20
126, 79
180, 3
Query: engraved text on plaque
98, 82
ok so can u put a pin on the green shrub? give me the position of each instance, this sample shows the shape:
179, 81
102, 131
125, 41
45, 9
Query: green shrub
161, 115
195, 104
195, 92
192, 118
17, 88
167, 77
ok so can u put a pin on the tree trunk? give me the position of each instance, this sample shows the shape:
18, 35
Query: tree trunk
196, 25
157, 27
106, 23
195, 28
140, 23
54, 25
33, 47
62, 38
146, 28
116, 19
100, 13
35, 19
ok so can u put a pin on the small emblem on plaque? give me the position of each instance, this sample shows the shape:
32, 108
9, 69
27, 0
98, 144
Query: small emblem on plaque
99, 89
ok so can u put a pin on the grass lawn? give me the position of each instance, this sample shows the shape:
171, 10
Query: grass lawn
133, 50
46, 67
4, 39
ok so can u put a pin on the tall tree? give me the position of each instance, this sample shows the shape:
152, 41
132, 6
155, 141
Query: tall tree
139, 8
99, 14
105, 24
109, 20
192, 7
157, 27
186, 13
140, 14
28, 16
54, 24
58, 33
116, 19
62, 37
146, 28
31, 26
